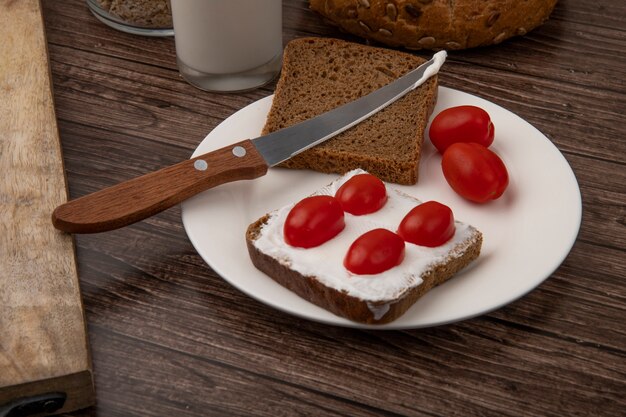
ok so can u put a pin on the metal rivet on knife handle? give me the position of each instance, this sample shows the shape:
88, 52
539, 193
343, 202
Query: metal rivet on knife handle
200, 165
239, 151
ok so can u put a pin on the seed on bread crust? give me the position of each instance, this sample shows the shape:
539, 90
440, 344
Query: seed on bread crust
412, 10
392, 11
500, 37
385, 32
364, 26
491, 20
365, 3
427, 41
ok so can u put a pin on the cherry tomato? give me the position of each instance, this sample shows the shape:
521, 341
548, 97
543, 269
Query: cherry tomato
461, 124
313, 221
474, 172
362, 194
429, 224
374, 252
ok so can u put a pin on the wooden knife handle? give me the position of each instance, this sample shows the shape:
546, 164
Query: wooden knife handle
142, 197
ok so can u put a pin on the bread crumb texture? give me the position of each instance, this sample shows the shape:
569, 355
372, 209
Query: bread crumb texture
320, 74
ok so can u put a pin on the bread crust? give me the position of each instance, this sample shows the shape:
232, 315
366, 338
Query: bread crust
435, 24
345, 305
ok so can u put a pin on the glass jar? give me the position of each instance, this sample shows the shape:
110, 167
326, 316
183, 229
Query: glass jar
139, 17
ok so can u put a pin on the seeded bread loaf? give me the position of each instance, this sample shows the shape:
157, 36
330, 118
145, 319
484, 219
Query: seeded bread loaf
320, 74
317, 274
435, 24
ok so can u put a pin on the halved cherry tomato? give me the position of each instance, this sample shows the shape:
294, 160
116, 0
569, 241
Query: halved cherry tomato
374, 252
362, 194
461, 124
429, 224
474, 172
313, 221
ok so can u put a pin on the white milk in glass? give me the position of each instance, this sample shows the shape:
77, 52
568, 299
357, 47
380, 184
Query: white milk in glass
228, 45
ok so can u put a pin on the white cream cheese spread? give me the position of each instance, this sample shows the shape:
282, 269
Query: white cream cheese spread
325, 262
439, 58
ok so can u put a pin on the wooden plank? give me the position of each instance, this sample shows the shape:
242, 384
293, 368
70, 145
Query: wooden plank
43, 340
436, 368
217, 389
171, 337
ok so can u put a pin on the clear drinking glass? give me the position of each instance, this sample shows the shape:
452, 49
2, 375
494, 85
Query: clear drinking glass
228, 45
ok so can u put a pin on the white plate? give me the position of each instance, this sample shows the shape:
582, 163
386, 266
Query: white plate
528, 232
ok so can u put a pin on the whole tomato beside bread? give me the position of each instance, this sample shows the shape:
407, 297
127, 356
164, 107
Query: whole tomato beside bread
474, 172
463, 134
461, 124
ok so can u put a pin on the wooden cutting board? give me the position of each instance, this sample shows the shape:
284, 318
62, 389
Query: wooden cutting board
44, 354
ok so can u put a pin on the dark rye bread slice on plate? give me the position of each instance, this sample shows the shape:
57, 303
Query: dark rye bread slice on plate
320, 74
318, 276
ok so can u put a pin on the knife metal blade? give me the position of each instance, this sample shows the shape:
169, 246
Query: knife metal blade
144, 196
281, 145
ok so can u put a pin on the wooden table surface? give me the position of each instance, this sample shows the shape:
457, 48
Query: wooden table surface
170, 337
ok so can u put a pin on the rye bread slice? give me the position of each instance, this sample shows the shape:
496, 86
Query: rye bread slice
373, 309
320, 74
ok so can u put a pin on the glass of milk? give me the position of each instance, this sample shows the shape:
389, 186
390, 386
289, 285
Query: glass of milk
228, 45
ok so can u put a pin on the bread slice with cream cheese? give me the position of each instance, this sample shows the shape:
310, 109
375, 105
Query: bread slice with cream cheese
318, 276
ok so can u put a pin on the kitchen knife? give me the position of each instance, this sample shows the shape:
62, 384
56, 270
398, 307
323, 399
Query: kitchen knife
147, 195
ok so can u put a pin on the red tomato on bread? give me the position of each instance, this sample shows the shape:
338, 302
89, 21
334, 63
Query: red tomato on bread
474, 172
428, 224
362, 194
313, 221
461, 124
374, 252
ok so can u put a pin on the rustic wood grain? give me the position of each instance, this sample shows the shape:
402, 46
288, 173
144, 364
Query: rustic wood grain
170, 337
43, 340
